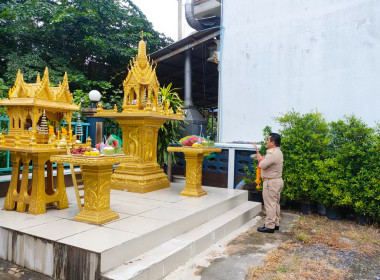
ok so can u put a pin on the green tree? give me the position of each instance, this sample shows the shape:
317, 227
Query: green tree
91, 40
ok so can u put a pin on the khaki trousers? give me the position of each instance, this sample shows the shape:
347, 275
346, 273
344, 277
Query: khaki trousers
271, 194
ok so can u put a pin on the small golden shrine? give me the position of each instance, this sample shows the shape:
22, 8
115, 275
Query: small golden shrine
141, 85
27, 103
30, 107
142, 116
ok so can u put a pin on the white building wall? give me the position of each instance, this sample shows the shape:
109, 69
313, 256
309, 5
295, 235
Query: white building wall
303, 54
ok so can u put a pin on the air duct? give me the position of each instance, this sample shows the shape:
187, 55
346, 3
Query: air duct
206, 21
190, 18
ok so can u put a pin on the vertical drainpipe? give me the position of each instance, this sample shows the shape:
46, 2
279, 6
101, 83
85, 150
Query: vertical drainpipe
220, 92
188, 79
179, 19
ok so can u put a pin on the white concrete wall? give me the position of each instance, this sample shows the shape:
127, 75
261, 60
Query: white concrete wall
303, 54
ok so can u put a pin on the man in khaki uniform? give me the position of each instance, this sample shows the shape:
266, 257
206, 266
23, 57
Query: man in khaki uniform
271, 172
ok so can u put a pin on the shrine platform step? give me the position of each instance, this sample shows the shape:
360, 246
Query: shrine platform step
163, 259
56, 245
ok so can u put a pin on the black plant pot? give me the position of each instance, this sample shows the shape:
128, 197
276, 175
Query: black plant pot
307, 208
333, 213
321, 209
361, 219
255, 196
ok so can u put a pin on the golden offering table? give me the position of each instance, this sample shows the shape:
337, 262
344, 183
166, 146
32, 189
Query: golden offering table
194, 158
38, 194
96, 173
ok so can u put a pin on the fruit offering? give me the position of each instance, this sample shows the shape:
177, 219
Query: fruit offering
118, 150
108, 151
79, 151
51, 130
191, 139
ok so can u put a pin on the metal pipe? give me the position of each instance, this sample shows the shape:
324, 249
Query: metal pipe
188, 79
179, 20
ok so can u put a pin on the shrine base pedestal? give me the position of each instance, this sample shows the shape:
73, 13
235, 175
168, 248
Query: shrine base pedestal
139, 179
96, 217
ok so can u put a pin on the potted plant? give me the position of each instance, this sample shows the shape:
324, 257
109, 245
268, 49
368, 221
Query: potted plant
170, 131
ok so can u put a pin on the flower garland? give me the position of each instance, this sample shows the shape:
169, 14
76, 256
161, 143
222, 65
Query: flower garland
258, 178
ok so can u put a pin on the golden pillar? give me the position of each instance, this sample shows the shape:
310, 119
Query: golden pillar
194, 159
96, 180
96, 173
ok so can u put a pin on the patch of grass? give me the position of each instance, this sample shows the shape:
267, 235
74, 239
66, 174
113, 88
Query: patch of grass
279, 264
342, 235
315, 248
303, 237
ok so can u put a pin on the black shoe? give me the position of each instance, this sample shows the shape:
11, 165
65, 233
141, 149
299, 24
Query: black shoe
265, 230
276, 227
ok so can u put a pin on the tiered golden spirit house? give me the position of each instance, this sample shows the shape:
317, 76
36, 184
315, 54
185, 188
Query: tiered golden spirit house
25, 106
141, 118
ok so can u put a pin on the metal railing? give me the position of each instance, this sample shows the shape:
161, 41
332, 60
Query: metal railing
219, 162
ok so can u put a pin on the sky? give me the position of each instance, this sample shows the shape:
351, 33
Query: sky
163, 14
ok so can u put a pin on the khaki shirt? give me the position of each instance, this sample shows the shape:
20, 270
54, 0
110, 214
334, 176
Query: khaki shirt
271, 165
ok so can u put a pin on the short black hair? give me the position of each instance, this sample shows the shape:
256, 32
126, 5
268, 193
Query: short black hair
276, 138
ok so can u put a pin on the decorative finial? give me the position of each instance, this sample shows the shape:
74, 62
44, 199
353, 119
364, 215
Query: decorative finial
65, 79
142, 35
19, 78
99, 107
38, 78
45, 78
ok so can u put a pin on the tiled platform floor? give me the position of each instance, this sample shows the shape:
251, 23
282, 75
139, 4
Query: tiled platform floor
145, 221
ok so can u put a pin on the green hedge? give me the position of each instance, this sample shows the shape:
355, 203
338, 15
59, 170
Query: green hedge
336, 163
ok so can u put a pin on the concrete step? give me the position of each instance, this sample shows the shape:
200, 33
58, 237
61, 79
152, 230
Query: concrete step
129, 250
163, 259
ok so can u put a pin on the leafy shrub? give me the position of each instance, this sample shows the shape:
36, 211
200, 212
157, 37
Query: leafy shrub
354, 172
350, 141
365, 186
304, 141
